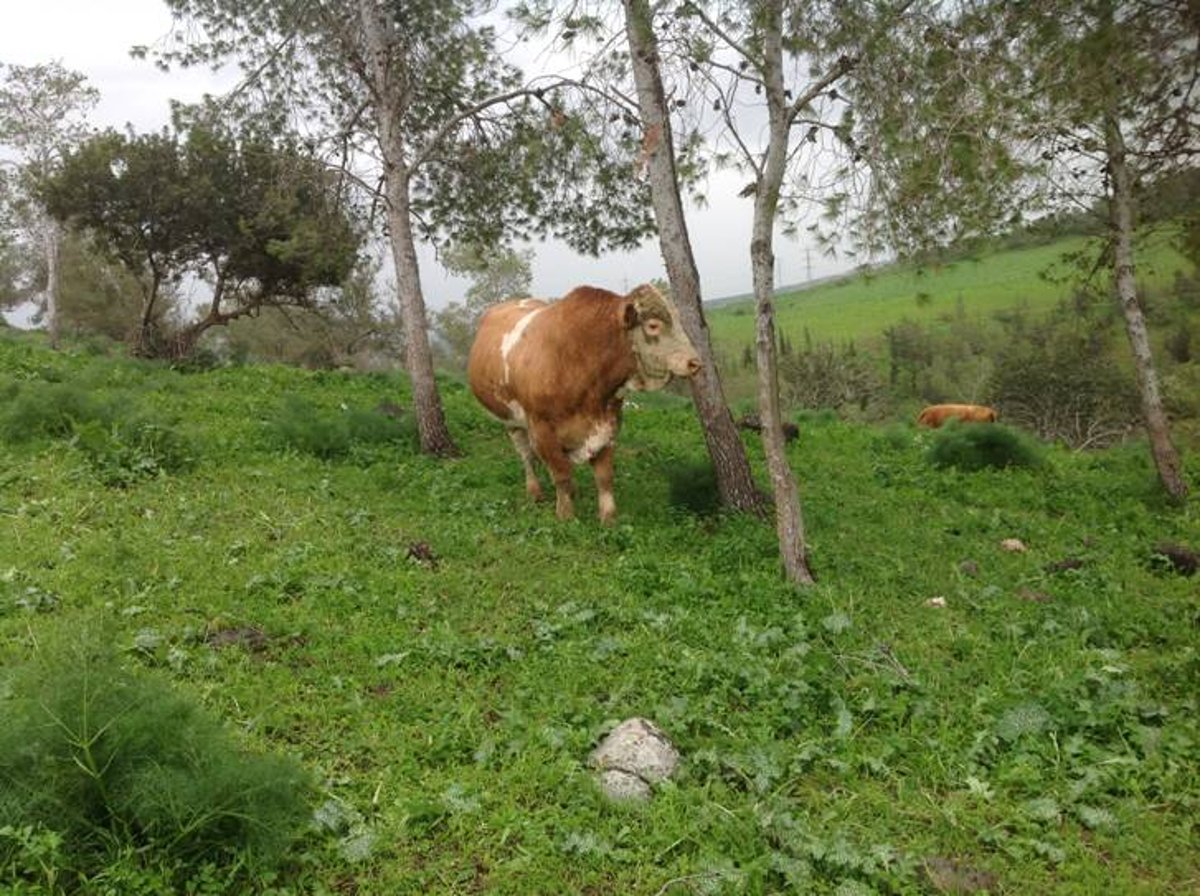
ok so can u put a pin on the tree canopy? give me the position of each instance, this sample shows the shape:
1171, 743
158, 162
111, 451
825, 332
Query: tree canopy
250, 213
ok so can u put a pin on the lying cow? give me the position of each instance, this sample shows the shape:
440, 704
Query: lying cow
937, 414
556, 374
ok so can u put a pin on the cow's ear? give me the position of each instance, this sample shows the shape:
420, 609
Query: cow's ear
630, 315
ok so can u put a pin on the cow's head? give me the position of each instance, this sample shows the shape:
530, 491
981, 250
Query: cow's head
661, 347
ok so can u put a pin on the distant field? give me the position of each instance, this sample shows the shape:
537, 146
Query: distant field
861, 307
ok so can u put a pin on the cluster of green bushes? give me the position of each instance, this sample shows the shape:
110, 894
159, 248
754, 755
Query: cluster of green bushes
1059, 375
121, 442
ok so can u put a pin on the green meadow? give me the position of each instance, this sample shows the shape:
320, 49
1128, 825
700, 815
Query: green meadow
860, 307
939, 714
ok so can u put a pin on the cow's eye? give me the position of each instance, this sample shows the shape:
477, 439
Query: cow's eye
654, 327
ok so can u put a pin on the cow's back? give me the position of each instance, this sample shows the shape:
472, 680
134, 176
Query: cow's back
938, 414
500, 328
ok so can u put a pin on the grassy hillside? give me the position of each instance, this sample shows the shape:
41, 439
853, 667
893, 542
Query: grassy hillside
443, 656
861, 307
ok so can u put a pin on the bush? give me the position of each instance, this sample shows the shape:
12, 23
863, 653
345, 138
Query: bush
50, 410
829, 377
333, 435
692, 486
128, 450
975, 446
99, 764
119, 445
1062, 383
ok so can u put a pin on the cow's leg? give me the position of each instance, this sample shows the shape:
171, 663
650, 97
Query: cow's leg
550, 451
520, 440
602, 469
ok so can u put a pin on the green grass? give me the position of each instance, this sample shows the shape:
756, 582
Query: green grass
442, 655
861, 307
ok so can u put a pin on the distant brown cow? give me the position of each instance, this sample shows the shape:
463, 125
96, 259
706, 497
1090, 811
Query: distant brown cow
937, 414
556, 373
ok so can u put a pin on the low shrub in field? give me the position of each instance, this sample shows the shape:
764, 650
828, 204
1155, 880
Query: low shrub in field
976, 446
128, 450
334, 435
50, 410
103, 769
692, 486
120, 444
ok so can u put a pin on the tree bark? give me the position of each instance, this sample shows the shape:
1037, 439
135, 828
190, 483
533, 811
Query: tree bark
418, 355
789, 521
53, 280
1120, 204
735, 482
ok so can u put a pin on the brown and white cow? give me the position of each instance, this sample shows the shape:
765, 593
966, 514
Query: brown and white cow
556, 373
937, 414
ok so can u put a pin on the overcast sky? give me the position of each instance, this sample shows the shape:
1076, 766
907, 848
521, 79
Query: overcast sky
94, 38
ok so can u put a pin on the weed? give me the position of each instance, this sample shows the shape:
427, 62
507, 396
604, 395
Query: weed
51, 410
126, 451
692, 486
982, 445
335, 435
98, 762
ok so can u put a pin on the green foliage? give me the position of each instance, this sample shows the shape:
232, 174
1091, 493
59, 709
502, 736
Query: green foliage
692, 486
245, 205
121, 444
444, 653
101, 764
337, 434
825, 376
125, 451
38, 410
496, 274
978, 446
1057, 379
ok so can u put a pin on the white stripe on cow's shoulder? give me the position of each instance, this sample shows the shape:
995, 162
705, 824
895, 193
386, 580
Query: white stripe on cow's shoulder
513, 336
599, 438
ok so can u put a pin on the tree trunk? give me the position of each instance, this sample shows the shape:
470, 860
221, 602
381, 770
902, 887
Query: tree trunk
735, 483
418, 356
789, 521
53, 280
1120, 203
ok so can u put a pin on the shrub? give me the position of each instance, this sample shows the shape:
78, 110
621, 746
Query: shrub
333, 435
1060, 381
128, 450
98, 764
692, 486
829, 377
50, 410
975, 446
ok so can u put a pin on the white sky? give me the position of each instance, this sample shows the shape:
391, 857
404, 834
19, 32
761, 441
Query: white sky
94, 37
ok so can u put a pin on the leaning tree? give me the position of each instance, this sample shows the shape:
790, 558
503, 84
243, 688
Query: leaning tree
1126, 115
252, 214
997, 111
416, 94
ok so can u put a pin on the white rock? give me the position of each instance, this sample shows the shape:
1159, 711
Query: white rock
634, 755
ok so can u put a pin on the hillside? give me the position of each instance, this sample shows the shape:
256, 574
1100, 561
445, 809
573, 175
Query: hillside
860, 307
442, 656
